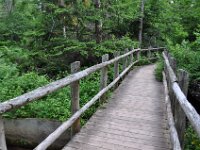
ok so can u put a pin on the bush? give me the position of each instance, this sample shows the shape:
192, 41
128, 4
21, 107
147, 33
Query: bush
192, 142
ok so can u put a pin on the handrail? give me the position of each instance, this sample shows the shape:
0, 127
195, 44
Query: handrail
61, 129
173, 132
54, 86
71, 79
188, 109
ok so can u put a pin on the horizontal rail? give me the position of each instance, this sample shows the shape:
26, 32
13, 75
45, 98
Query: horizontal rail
152, 49
61, 129
189, 110
173, 132
54, 86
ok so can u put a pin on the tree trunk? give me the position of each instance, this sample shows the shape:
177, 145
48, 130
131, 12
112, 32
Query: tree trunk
9, 6
141, 23
98, 23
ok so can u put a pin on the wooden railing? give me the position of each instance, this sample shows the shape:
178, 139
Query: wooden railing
178, 107
73, 81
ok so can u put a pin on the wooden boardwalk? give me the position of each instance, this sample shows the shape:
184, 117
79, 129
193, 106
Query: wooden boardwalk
133, 119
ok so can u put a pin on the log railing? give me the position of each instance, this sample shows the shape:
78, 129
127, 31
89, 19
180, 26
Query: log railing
73, 81
178, 107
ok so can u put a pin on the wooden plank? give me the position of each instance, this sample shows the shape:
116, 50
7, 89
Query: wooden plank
126, 135
109, 136
121, 126
114, 143
75, 90
53, 136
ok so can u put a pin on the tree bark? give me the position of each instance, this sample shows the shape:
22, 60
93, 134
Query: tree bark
98, 23
141, 23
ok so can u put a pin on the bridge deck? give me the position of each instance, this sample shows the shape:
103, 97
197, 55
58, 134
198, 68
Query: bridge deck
132, 119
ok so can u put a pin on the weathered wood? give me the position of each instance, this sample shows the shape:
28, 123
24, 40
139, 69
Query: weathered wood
107, 129
54, 86
116, 68
153, 49
173, 64
125, 61
131, 56
180, 118
173, 132
189, 110
183, 80
104, 76
138, 55
170, 71
149, 53
2, 135
75, 90
53, 136
174, 102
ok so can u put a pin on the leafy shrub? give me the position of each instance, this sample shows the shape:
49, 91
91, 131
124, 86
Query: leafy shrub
159, 69
192, 142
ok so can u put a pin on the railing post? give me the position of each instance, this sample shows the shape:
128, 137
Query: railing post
104, 76
149, 53
173, 63
131, 56
180, 117
125, 60
2, 135
75, 90
138, 54
116, 68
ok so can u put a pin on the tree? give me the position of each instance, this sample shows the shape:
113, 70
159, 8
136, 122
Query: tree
141, 23
98, 23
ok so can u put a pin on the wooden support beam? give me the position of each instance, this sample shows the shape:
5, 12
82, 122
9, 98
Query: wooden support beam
131, 56
149, 53
180, 117
116, 68
104, 76
75, 90
138, 55
189, 110
125, 60
2, 135
173, 132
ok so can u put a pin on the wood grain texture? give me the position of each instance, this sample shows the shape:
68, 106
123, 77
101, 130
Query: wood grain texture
173, 132
133, 118
2, 135
75, 97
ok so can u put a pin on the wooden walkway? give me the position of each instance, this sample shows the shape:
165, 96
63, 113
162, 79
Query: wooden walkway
133, 119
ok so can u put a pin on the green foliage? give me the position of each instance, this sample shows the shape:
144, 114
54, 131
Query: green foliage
192, 142
159, 69
187, 58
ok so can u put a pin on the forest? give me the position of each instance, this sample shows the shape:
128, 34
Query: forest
40, 38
